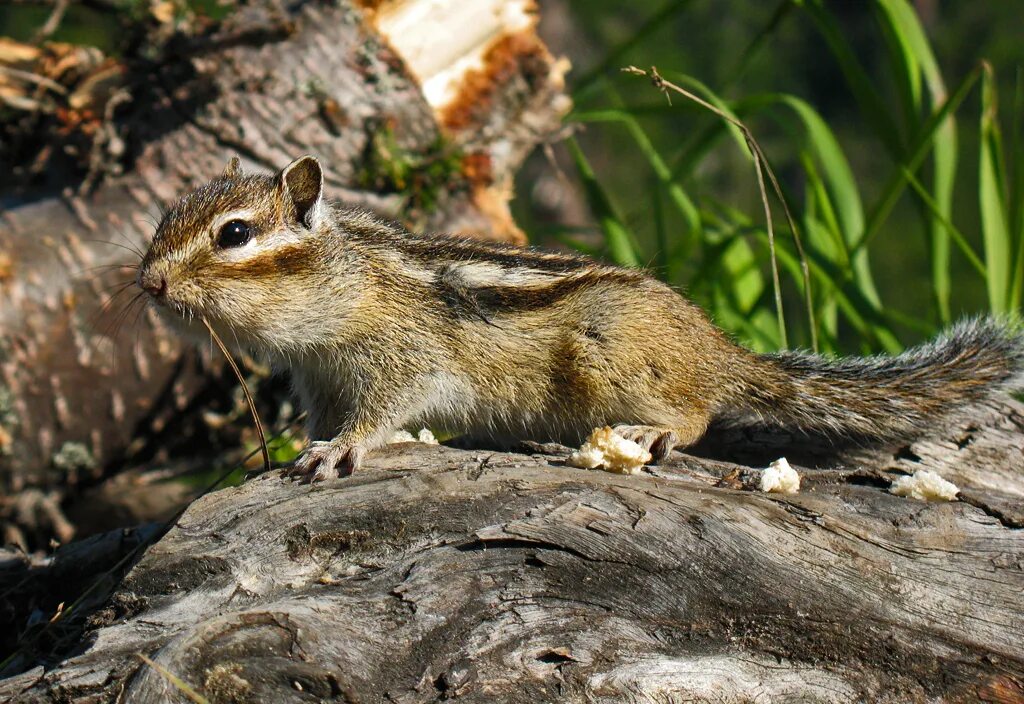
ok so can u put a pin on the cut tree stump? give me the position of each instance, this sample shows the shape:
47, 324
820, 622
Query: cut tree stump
482, 576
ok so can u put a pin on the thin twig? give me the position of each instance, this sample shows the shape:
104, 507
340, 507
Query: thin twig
29, 77
761, 167
245, 390
52, 22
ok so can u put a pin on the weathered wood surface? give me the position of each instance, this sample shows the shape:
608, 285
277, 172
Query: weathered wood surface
272, 81
439, 573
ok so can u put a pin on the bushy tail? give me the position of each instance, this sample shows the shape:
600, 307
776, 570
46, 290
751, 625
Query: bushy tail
883, 397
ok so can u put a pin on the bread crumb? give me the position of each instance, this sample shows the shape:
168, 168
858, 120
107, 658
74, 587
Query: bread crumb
780, 478
613, 453
401, 436
424, 436
925, 485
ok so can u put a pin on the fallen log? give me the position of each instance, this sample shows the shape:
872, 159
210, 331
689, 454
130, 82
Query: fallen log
440, 573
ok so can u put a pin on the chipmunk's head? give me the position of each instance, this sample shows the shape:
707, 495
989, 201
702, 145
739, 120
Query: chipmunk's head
238, 250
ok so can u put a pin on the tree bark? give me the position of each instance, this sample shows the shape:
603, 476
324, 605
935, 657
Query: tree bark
272, 81
439, 573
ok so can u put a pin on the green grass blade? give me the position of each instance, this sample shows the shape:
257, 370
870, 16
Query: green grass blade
991, 189
698, 147
826, 313
897, 20
944, 159
856, 310
620, 242
742, 277
729, 281
1016, 189
897, 182
586, 84
782, 11
842, 186
873, 108
660, 236
677, 195
820, 216
843, 194
900, 20
709, 95
833, 283
951, 229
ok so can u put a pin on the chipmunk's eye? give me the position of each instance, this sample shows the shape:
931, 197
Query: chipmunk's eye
234, 234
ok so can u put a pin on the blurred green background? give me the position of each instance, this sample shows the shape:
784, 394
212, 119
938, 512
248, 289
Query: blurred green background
893, 126
897, 151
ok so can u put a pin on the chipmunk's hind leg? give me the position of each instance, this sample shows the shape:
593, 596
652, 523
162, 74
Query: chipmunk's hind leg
660, 440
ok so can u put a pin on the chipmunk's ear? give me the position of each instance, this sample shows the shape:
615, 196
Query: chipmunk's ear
302, 183
233, 169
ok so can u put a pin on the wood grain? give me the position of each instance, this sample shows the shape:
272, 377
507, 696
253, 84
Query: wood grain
439, 573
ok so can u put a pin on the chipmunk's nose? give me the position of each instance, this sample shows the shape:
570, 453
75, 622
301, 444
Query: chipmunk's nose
153, 284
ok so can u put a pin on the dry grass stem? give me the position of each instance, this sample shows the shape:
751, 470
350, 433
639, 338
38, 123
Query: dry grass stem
761, 167
175, 681
245, 390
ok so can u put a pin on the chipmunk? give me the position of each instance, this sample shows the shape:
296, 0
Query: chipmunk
382, 329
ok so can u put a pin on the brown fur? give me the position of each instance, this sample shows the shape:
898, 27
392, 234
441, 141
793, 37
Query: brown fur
381, 328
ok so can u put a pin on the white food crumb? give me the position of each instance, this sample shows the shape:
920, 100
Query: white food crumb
424, 436
780, 478
401, 436
614, 453
925, 485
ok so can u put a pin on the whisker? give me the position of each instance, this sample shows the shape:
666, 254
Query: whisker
137, 307
99, 271
238, 345
124, 313
135, 321
113, 292
155, 220
137, 341
110, 329
107, 305
134, 250
131, 243
138, 328
114, 330
102, 267
121, 284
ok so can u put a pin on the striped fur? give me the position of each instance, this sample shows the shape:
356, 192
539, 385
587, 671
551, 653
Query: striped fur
382, 329
885, 397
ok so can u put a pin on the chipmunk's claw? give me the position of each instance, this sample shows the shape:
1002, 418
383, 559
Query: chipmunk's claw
321, 461
658, 441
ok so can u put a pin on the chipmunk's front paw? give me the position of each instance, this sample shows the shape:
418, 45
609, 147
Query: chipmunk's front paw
326, 460
658, 441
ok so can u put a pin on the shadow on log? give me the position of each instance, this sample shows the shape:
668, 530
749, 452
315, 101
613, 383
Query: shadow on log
439, 573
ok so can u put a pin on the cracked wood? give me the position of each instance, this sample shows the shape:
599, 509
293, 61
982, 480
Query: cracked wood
440, 573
